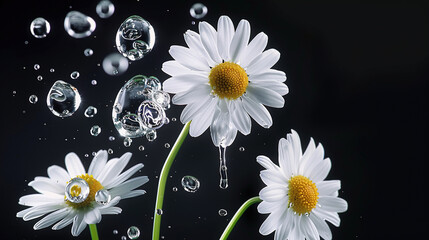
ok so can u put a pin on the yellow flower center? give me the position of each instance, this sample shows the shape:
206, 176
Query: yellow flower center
228, 80
94, 187
303, 194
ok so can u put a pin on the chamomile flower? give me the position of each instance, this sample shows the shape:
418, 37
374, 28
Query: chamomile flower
224, 80
297, 196
72, 195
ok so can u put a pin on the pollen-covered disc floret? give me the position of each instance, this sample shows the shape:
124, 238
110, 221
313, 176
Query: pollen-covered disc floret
94, 187
228, 80
302, 194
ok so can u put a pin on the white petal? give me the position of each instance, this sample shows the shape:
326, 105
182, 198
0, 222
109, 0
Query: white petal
58, 174
240, 118
225, 29
74, 165
194, 94
40, 210
184, 82
51, 218
113, 202
78, 225
263, 62
188, 58
108, 175
271, 223
209, 41
202, 120
124, 176
39, 199
332, 204
98, 163
286, 161
254, 49
127, 186
134, 193
319, 172
193, 40
67, 220
322, 227
270, 177
266, 162
328, 188
269, 75
308, 228
239, 41
331, 217
267, 207
47, 186
265, 96
258, 112
306, 156
174, 68
273, 193
192, 109
93, 216
111, 210
312, 161
276, 86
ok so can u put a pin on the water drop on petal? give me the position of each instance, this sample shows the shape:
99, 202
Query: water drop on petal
77, 190
102, 196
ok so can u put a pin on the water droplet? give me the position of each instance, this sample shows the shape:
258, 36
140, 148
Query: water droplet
78, 25
63, 99
88, 52
241, 149
135, 38
77, 190
105, 9
173, 119
90, 112
40, 28
115, 231
133, 232
74, 75
102, 196
174, 189
141, 148
115, 64
222, 212
127, 141
190, 184
86, 155
33, 99
36, 66
95, 130
167, 145
123, 238
151, 115
162, 98
151, 135
51, 70
159, 211
39, 78
222, 168
110, 151
111, 138
198, 10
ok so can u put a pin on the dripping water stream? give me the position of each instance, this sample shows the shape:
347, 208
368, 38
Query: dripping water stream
222, 168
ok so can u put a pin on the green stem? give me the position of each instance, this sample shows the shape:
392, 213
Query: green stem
237, 216
163, 180
93, 230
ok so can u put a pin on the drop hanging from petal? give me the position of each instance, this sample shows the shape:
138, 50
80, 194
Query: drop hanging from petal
222, 168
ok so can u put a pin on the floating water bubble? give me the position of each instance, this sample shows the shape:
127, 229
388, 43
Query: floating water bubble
33, 99
151, 115
63, 99
115, 64
74, 75
115, 231
241, 149
77, 190
190, 184
159, 211
133, 232
167, 145
102, 196
134, 113
127, 142
78, 25
88, 52
222, 212
110, 151
123, 238
39, 78
90, 112
174, 189
51, 70
105, 9
173, 119
162, 98
94, 82
141, 148
198, 10
36, 66
135, 38
95, 130
40, 28
111, 138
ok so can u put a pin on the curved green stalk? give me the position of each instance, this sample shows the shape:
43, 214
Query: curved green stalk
163, 180
93, 230
237, 216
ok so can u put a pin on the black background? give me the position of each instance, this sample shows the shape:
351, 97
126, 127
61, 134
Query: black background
357, 74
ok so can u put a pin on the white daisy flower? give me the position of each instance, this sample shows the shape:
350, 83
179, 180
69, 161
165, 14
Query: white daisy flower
297, 197
222, 78
62, 211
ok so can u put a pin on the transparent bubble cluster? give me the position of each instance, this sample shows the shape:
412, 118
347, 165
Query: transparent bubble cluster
139, 108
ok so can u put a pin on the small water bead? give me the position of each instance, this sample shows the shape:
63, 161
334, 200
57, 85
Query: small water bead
241, 149
151, 115
173, 119
88, 52
51, 70
77, 190
133, 232
90, 112
115, 231
95, 130
74, 75
39, 78
174, 189
110, 151
162, 98
127, 142
151, 135
123, 238
115, 64
102, 196
63, 99
141, 148
94, 82
40, 28
105, 9
198, 10
159, 211
36, 66
78, 25
222, 212
135, 38
86, 155
190, 184
111, 138
33, 99
167, 145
